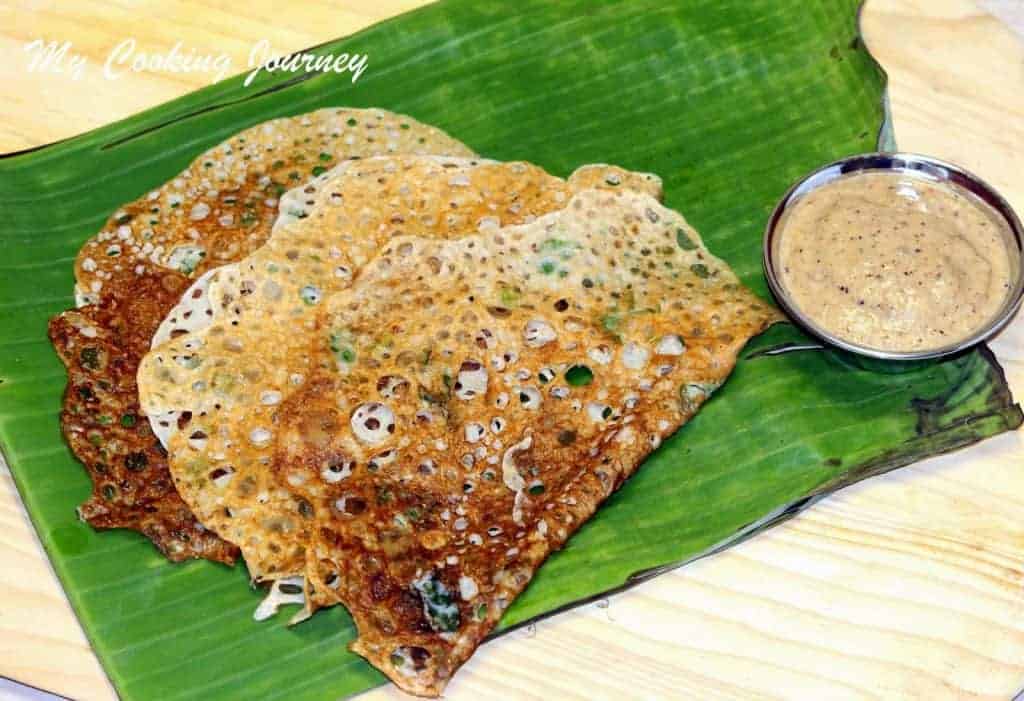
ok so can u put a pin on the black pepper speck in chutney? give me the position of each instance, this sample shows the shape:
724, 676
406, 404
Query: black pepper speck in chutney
895, 262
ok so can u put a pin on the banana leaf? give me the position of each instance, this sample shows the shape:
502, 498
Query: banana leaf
728, 100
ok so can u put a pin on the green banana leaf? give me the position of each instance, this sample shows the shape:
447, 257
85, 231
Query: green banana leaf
729, 101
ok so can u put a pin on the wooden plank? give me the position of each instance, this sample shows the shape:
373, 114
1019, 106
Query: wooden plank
907, 586
42, 107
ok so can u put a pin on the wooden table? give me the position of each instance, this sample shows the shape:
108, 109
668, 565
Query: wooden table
910, 585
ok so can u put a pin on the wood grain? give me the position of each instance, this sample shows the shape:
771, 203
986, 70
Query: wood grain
908, 586
42, 107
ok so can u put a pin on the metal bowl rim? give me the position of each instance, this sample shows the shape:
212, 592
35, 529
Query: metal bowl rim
995, 200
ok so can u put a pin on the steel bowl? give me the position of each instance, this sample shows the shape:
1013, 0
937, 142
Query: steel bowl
914, 165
